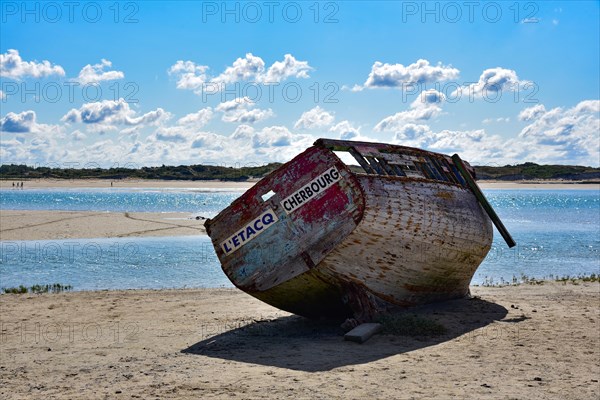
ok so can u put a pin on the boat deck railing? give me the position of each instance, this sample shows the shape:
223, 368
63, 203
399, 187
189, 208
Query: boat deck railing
393, 160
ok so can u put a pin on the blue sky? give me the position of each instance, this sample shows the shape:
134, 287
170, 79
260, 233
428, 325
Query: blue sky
150, 83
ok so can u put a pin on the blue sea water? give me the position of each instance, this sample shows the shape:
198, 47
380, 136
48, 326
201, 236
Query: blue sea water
207, 201
557, 233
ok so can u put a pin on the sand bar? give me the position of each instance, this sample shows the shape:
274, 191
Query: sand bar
126, 183
53, 225
524, 342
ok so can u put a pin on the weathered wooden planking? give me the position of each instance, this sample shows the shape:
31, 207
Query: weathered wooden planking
363, 242
418, 242
306, 227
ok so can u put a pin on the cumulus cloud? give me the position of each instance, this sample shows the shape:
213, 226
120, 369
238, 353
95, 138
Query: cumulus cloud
289, 67
473, 145
241, 110
190, 75
384, 75
173, 134
492, 83
243, 69
235, 104
78, 135
18, 123
565, 135
346, 130
198, 119
424, 108
556, 136
108, 112
13, 66
532, 113
314, 118
96, 73
193, 76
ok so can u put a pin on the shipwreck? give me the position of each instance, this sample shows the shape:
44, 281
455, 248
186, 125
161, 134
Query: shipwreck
319, 238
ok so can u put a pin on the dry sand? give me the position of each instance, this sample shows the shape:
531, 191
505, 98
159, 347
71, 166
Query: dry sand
525, 342
514, 342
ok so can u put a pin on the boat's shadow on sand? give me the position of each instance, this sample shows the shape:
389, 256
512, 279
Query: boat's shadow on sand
298, 343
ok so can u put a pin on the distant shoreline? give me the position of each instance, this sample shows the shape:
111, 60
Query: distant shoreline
244, 185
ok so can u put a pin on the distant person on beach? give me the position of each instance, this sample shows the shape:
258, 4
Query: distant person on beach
111, 184
13, 184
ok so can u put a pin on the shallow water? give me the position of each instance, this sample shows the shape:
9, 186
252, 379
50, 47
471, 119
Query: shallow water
557, 233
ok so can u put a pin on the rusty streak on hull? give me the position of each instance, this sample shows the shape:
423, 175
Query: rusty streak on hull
409, 235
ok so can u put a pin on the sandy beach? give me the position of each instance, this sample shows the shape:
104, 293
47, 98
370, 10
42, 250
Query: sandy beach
515, 342
523, 342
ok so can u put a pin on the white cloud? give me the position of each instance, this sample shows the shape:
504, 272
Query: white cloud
190, 75
173, 134
233, 105
109, 112
346, 130
532, 113
18, 123
248, 116
13, 66
241, 110
475, 146
281, 70
198, 119
557, 136
78, 135
565, 135
243, 69
95, 73
251, 68
314, 118
384, 75
424, 108
492, 83
487, 121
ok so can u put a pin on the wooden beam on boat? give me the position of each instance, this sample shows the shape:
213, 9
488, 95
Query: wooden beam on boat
458, 162
363, 163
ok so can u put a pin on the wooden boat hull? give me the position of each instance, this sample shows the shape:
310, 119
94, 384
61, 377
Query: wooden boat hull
354, 244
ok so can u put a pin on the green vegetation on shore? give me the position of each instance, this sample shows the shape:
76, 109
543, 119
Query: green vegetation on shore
532, 171
181, 172
54, 288
526, 171
528, 280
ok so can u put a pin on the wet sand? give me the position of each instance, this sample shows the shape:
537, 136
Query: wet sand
54, 225
524, 342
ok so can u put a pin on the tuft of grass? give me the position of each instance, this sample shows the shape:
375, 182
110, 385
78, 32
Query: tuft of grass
527, 280
410, 325
576, 279
53, 288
